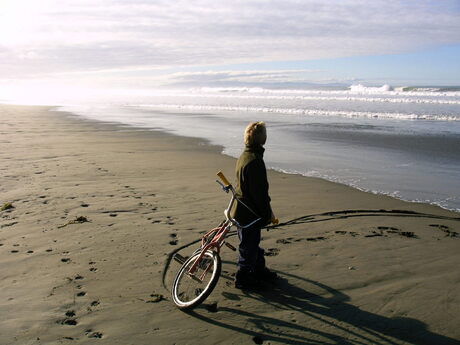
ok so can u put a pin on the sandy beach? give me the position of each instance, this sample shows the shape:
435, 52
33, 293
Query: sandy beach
92, 212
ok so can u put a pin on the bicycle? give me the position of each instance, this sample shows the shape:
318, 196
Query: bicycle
198, 275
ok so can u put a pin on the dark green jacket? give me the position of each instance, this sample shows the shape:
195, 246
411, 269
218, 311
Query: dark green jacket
252, 187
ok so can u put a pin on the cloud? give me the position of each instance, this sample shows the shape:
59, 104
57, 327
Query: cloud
72, 36
241, 76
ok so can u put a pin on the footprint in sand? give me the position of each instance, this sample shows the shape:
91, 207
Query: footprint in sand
92, 269
283, 241
319, 238
374, 234
81, 294
8, 225
70, 319
66, 260
155, 298
173, 242
446, 230
440, 226
89, 332
272, 252
393, 230
69, 322
409, 234
169, 220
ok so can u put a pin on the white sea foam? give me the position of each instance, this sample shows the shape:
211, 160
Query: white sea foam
307, 112
371, 90
352, 90
318, 97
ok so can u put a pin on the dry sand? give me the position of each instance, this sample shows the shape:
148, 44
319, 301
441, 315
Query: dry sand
356, 268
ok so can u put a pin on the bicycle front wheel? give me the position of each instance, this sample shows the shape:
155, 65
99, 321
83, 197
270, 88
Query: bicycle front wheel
190, 290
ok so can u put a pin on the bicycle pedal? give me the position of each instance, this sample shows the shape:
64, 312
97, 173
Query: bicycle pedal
179, 258
230, 246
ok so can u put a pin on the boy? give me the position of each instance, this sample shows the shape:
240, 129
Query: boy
252, 189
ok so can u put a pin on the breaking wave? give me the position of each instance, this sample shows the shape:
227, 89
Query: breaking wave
321, 96
355, 89
307, 112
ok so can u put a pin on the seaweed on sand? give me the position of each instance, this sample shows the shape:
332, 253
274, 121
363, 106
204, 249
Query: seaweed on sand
77, 220
6, 206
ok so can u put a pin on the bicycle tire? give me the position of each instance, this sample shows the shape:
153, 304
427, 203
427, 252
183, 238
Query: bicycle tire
195, 294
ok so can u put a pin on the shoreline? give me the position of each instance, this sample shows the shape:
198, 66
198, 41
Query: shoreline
221, 149
354, 265
413, 161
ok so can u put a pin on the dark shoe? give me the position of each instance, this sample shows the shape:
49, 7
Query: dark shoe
245, 280
265, 275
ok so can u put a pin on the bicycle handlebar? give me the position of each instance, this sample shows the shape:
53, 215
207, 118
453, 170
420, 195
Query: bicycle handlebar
223, 179
228, 186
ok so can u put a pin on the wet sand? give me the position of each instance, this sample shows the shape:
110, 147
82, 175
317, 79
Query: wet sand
98, 210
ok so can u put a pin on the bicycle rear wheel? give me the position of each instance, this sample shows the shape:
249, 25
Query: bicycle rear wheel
189, 290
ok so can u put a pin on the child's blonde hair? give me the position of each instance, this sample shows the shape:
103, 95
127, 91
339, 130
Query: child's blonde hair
255, 134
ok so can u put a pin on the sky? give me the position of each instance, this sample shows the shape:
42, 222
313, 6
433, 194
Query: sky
149, 44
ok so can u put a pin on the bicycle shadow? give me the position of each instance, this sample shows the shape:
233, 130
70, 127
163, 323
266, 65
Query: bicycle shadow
334, 319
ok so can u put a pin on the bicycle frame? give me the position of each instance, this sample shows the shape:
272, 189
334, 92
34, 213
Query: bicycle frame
218, 239
215, 238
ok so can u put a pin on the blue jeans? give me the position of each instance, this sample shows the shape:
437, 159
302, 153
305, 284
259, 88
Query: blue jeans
251, 256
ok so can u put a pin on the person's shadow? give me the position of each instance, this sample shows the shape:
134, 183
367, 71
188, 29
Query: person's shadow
334, 320
341, 322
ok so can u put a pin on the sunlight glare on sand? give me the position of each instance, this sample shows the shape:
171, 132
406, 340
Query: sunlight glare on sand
42, 93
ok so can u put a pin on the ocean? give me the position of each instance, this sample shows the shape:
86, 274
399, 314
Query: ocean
402, 142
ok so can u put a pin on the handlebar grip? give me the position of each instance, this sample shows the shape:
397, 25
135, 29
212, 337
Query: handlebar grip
223, 178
